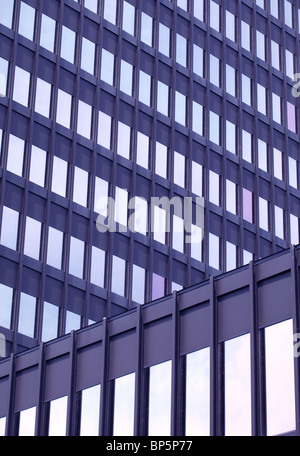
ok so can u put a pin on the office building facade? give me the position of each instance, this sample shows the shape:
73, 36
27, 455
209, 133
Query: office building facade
169, 110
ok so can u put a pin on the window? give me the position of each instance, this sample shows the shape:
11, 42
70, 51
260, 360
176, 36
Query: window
7, 9
293, 172
2, 426
92, 5
90, 411
246, 90
84, 119
214, 251
142, 150
197, 121
246, 36
158, 286
276, 101
197, 178
26, 21
9, 228
126, 77
260, 45
289, 64
164, 40
237, 384
27, 315
230, 80
179, 169
262, 155
59, 176
6, 297
162, 98
160, 378
88, 49
275, 54
104, 130
230, 26
291, 117
198, 9
21, 86
128, 24
124, 405
198, 60
214, 128
279, 226
247, 146
230, 137
47, 37
138, 284
261, 99
215, 16
32, 240
247, 205
181, 50
230, 196
55, 247
76, 259
263, 214
15, 155
288, 13
214, 188
118, 276
27, 422
68, 40
107, 67
161, 160
159, 225
64, 106
43, 97
294, 229
147, 29
178, 234
180, 108
97, 266
280, 387
110, 11
145, 88
124, 140
58, 417
138, 220
3, 77
214, 70
73, 322
50, 322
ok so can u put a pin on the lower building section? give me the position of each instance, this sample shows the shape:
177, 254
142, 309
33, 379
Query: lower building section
220, 358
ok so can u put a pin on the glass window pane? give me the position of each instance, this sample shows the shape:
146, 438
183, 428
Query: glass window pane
124, 137
126, 77
138, 284
110, 10
64, 105
55, 247
21, 86
43, 97
9, 228
15, 155
68, 44
237, 386
73, 322
197, 406
2, 426
160, 382
90, 411
47, 38
76, 259
37, 166
27, 315
118, 276
145, 88
128, 18
3, 77
124, 405
88, 55
146, 29
59, 176
97, 266
107, 67
6, 296
50, 322
26, 21
164, 40
280, 386
32, 241
142, 150
80, 187
7, 8
58, 417
27, 422
104, 130
158, 286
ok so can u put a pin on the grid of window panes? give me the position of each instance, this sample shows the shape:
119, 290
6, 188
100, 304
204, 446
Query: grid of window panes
105, 98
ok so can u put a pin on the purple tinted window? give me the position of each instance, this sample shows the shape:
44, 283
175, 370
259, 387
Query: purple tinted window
158, 286
247, 206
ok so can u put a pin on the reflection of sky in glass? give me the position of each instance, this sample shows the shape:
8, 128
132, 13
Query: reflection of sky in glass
124, 405
58, 417
160, 399
280, 388
90, 409
237, 386
197, 393
2, 426
27, 422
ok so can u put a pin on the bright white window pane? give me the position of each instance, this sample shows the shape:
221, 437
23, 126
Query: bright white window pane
110, 10
27, 422
180, 108
196, 242
275, 52
263, 214
197, 409
124, 406
58, 417
38, 166
92, 5
164, 40
7, 8
214, 251
128, 24
230, 80
138, 220
289, 64
146, 29
73, 322
277, 156
230, 25
84, 120
26, 21
161, 160
246, 90
230, 256
181, 50
214, 188
198, 9
162, 98
198, 60
276, 108
47, 38
126, 77
88, 55
118, 276
178, 234
59, 176
64, 104
55, 247
6, 296
27, 315
179, 169
123, 146
293, 180
107, 67
214, 15
279, 228
160, 379
2, 426
159, 226
121, 206
245, 35
247, 146
247, 257
3, 77
50, 322
260, 45
238, 386
104, 130
261, 99
32, 238
43, 97
262, 155
101, 194
230, 137
214, 73
21, 86
214, 128
15, 155
142, 150
68, 44
280, 387
76, 257
294, 227
145, 88
97, 266
9, 228
90, 411
197, 120
230, 196
138, 284
197, 176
